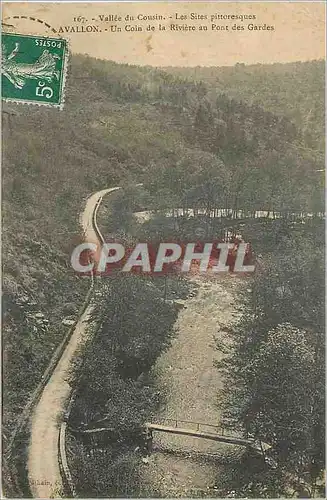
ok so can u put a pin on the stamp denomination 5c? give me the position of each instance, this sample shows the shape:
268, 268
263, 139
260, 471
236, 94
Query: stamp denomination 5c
34, 69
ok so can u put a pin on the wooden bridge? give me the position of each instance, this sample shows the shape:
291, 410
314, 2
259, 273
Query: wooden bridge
196, 429
184, 428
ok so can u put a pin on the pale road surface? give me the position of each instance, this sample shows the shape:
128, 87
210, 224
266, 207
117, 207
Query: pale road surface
43, 468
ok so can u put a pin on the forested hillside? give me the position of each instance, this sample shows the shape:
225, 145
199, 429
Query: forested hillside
293, 90
190, 143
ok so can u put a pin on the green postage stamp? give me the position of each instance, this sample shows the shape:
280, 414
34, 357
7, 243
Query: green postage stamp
34, 69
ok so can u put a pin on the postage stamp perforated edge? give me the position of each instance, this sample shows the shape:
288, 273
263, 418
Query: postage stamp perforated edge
65, 66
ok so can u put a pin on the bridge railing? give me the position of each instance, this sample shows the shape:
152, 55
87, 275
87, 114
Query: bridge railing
197, 426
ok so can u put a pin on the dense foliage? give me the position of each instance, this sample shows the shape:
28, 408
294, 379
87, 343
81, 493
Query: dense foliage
274, 365
283, 89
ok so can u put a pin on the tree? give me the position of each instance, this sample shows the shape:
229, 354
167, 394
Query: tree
274, 363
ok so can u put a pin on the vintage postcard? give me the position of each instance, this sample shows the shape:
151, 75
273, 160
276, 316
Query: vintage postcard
163, 328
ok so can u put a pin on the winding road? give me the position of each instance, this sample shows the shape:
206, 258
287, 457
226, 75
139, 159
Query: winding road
43, 465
